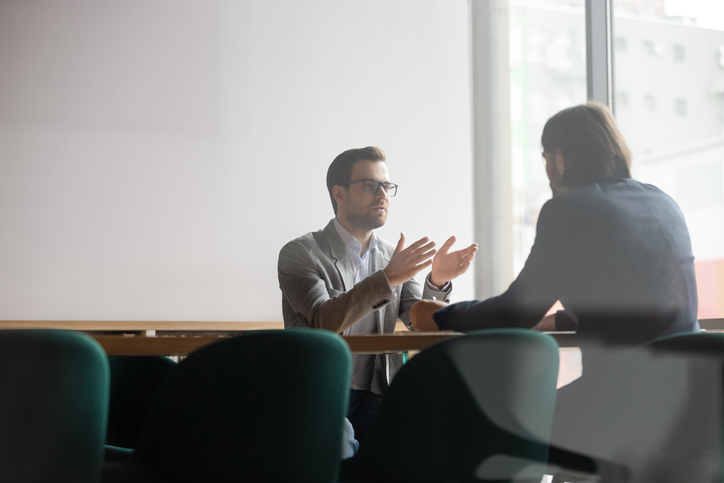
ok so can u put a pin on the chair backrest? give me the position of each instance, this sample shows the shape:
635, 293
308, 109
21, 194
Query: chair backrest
53, 406
264, 406
471, 408
134, 383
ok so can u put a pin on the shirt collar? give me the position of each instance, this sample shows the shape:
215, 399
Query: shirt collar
349, 240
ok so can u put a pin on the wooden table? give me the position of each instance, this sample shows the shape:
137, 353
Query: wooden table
183, 345
140, 325
182, 337
179, 338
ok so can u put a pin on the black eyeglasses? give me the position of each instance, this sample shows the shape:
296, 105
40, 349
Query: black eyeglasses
371, 186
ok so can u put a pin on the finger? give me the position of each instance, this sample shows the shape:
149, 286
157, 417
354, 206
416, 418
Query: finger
400, 244
423, 248
419, 243
416, 269
471, 249
424, 255
448, 243
467, 258
424, 264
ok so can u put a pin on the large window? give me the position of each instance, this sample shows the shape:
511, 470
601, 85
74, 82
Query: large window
548, 73
668, 97
669, 86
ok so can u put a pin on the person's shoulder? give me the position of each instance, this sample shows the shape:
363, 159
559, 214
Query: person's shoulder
619, 189
308, 242
648, 188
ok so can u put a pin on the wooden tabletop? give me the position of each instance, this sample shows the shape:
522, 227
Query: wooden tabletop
183, 337
181, 346
141, 325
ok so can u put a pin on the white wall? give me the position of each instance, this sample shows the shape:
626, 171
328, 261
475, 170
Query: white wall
156, 155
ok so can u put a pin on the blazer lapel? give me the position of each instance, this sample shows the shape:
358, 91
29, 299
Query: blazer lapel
339, 253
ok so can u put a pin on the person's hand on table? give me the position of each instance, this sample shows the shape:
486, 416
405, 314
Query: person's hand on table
421, 315
448, 265
406, 262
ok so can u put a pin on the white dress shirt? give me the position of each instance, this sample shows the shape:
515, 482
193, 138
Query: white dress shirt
362, 364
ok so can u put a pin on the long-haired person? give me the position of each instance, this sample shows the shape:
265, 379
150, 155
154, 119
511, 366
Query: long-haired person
614, 251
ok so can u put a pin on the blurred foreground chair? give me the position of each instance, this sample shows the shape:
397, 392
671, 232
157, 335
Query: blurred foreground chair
53, 406
474, 408
134, 383
264, 406
657, 411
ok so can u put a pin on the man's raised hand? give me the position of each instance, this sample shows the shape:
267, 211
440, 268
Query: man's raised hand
406, 262
448, 265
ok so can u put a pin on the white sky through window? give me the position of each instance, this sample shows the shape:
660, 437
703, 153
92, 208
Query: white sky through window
707, 13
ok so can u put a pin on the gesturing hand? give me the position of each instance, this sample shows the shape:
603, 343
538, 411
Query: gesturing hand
406, 262
449, 265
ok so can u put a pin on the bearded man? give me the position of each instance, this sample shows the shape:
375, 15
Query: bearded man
347, 280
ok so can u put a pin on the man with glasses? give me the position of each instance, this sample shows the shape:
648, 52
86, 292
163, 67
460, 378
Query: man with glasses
347, 280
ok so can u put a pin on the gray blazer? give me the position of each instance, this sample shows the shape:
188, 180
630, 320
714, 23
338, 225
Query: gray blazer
316, 280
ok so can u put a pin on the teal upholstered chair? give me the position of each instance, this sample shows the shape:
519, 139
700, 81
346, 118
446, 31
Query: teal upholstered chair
134, 383
264, 406
53, 406
474, 408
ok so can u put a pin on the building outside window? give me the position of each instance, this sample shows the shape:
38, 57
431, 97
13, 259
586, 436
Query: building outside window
676, 136
679, 53
621, 45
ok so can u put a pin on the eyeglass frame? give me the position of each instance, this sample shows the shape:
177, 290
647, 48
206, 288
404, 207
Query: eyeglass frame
379, 184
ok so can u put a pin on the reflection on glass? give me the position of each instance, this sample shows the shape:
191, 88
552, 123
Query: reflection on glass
669, 88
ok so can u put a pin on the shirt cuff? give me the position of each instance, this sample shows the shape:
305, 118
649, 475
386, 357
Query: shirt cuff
432, 286
389, 285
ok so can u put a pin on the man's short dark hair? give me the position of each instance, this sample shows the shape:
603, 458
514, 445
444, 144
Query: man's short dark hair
591, 144
340, 171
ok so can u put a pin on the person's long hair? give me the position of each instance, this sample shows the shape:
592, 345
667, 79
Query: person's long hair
592, 147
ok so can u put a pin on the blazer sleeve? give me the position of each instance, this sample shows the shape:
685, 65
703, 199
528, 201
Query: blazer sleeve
538, 286
323, 307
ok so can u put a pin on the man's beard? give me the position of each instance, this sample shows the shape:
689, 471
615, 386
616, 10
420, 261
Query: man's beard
365, 222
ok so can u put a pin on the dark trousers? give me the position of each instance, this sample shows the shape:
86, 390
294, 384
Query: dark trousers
363, 406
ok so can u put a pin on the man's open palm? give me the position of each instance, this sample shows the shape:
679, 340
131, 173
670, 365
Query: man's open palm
448, 265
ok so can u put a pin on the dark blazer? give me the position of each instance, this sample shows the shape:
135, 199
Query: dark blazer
318, 291
616, 254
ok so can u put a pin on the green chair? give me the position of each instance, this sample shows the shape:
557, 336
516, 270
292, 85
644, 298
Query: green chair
134, 383
475, 408
264, 406
53, 405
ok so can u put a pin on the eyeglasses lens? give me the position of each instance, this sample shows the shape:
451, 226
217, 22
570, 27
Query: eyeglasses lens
373, 186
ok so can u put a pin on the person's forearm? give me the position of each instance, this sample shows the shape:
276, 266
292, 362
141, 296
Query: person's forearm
493, 313
346, 309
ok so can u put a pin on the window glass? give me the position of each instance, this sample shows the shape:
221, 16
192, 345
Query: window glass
669, 103
548, 73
